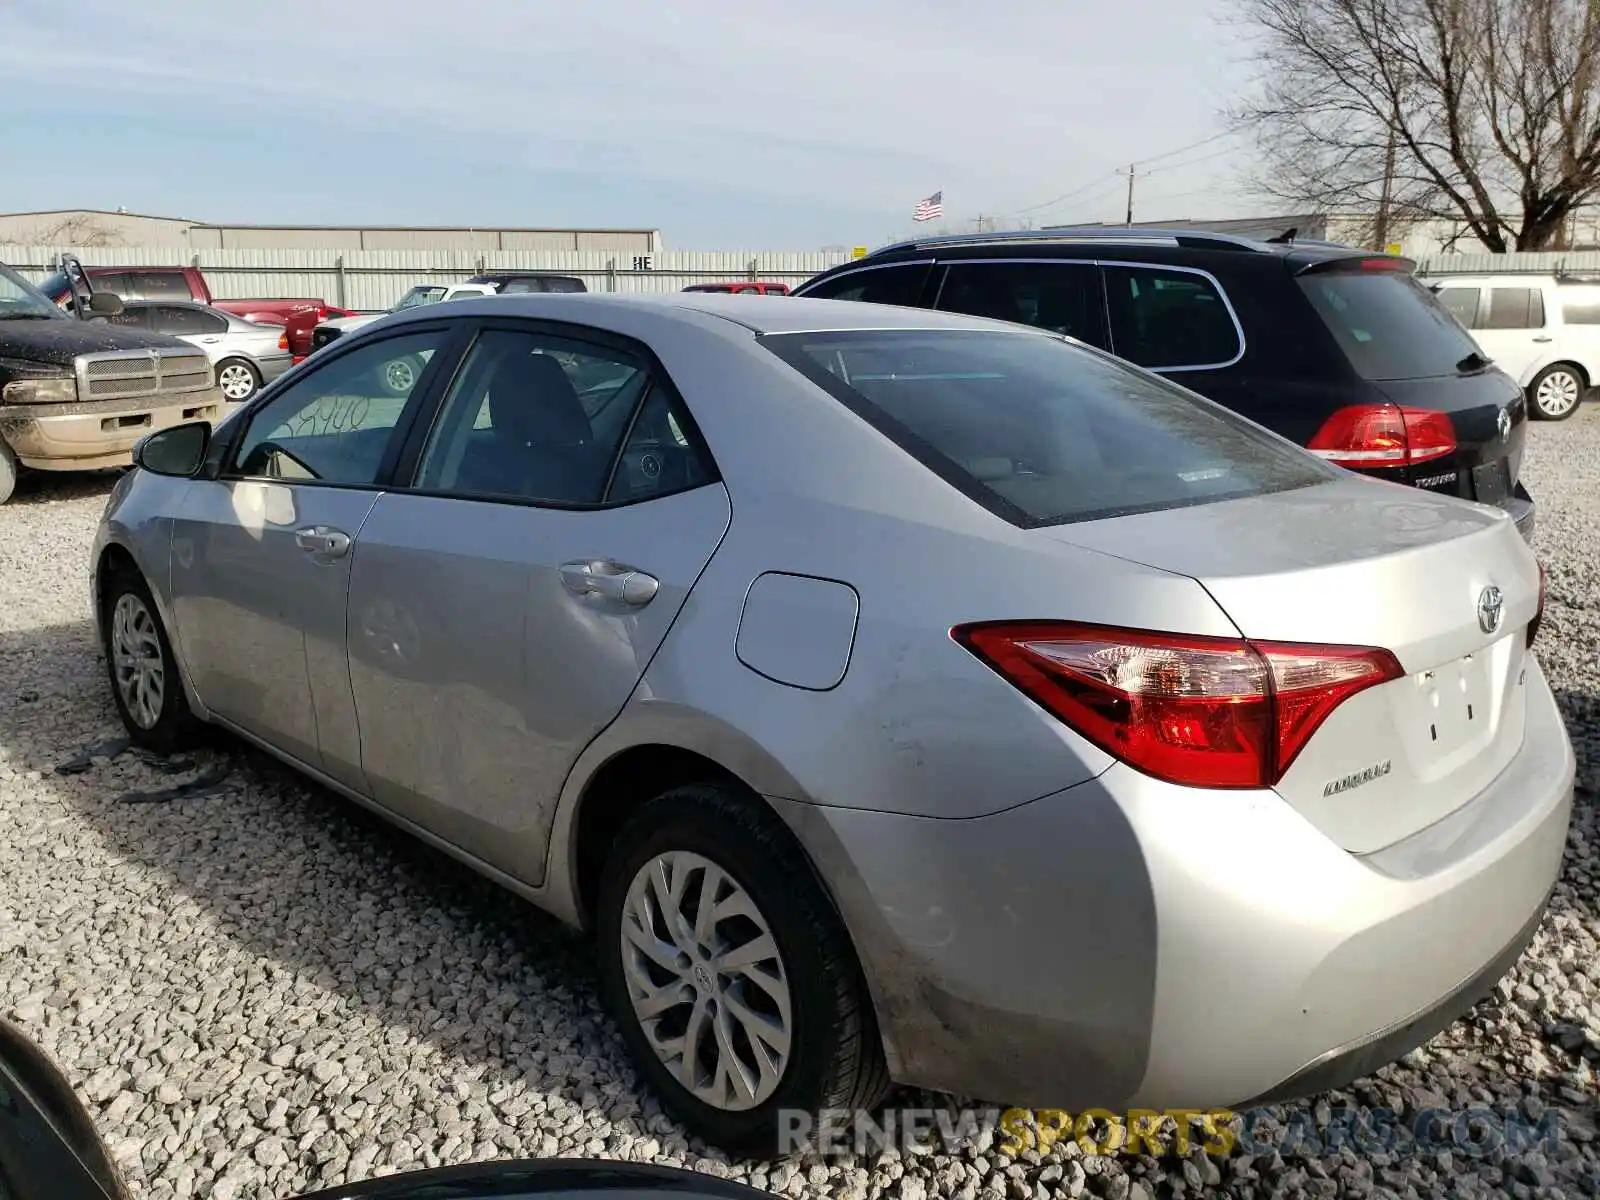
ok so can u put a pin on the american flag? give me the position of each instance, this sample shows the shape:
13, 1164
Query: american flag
930, 208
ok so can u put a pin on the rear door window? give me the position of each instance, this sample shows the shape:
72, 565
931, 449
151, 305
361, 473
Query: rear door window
183, 321
892, 283
1043, 432
1389, 325
1167, 319
1462, 302
1064, 298
1515, 308
161, 285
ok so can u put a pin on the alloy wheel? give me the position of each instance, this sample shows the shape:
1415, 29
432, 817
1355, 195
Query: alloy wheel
236, 381
399, 375
1557, 393
136, 656
706, 979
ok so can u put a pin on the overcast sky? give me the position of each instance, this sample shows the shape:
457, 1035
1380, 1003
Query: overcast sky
724, 124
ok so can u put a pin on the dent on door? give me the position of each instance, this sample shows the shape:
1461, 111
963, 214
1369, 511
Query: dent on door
490, 643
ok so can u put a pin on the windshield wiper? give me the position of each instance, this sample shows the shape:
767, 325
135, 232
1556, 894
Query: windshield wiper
1472, 362
26, 315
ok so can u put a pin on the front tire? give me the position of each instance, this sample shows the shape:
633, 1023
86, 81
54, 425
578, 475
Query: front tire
144, 674
730, 973
1556, 392
237, 379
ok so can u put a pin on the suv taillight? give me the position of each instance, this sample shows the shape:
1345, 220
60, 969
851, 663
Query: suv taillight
1538, 613
1384, 435
1197, 711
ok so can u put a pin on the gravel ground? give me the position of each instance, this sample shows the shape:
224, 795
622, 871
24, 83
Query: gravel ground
261, 990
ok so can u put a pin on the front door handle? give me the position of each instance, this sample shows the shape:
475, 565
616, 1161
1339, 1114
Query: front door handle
323, 541
211, 340
1542, 338
609, 581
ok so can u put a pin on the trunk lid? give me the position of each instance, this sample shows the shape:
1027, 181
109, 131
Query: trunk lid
1364, 563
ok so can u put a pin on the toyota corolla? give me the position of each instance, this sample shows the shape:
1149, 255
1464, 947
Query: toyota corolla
893, 695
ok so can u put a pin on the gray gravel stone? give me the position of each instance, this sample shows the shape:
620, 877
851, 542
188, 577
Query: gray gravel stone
260, 990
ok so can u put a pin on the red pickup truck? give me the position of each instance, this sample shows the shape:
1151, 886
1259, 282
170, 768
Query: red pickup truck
299, 317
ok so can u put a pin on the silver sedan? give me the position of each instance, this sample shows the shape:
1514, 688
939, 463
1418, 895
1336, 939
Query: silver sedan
893, 694
246, 355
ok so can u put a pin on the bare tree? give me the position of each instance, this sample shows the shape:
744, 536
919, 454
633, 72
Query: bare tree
80, 230
1483, 112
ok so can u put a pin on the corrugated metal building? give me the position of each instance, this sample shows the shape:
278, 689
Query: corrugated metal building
93, 227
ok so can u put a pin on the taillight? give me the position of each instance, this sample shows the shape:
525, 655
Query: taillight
1198, 711
1538, 613
283, 342
1384, 435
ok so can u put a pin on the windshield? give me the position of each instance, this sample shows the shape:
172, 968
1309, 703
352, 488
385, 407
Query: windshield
1041, 431
420, 295
20, 299
1388, 325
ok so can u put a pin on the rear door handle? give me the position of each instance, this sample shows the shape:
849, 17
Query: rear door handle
1542, 338
323, 541
609, 581
210, 339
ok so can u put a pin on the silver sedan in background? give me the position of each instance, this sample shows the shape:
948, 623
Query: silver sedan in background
245, 354
895, 695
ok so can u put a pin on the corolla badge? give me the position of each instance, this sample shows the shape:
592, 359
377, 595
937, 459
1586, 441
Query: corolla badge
1503, 423
1491, 607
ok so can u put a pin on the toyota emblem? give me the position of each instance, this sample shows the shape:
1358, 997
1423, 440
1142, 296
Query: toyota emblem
1491, 607
1503, 423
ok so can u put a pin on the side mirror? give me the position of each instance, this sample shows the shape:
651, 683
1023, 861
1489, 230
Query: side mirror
105, 304
178, 451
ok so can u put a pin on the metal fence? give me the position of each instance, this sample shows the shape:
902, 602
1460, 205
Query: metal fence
372, 280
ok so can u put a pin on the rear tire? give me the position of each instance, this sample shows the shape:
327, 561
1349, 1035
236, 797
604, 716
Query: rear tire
9, 470
145, 685
1556, 392
237, 379
804, 988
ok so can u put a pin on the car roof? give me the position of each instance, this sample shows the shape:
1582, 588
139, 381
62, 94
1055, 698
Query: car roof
757, 313
1132, 243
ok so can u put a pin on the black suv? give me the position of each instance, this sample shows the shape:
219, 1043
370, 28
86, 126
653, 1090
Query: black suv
1340, 350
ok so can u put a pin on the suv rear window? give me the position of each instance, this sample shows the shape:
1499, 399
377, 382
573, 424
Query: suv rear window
1043, 432
1388, 325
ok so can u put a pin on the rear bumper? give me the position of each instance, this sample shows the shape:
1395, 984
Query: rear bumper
1128, 943
81, 437
271, 366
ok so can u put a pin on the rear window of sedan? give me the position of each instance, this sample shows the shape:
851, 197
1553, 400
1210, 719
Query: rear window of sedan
1041, 431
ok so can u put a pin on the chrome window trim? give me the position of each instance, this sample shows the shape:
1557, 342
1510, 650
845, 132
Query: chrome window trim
1216, 283
882, 266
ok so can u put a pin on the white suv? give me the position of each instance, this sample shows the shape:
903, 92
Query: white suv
1542, 330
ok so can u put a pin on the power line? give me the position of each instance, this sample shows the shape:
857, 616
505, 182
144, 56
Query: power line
1099, 180
1192, 162
1185, 149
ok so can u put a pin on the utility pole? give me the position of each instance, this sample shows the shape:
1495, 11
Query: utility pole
1129, 220
1385, 197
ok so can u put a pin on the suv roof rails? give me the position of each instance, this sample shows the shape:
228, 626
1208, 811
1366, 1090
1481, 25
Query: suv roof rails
1191, 238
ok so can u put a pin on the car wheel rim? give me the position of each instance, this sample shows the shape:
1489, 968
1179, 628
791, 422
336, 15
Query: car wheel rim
400, 376
1558, 392
707, 982
236, 382
136, 658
